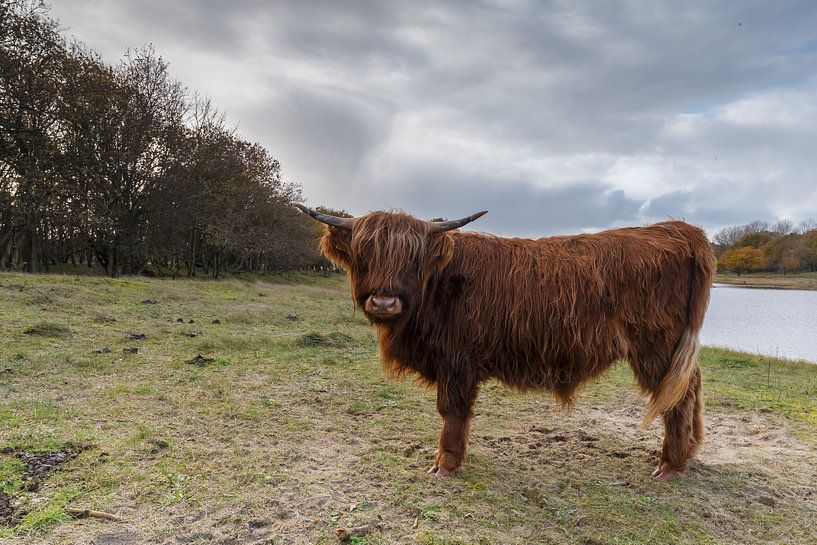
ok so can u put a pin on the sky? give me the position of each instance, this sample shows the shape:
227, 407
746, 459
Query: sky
556, 117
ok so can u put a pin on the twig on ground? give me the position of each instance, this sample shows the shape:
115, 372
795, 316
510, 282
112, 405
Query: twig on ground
85, 513
346, 533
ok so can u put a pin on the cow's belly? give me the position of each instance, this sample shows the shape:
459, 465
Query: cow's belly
560, 362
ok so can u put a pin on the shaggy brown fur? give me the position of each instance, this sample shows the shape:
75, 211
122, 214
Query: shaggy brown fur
537, 314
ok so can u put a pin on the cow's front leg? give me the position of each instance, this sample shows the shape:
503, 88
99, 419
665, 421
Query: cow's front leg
455, 402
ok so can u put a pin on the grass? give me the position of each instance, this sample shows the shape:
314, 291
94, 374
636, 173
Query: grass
286, 430
794, 281
47, 329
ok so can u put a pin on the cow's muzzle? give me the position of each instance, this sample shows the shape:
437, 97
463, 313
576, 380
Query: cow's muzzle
383, 306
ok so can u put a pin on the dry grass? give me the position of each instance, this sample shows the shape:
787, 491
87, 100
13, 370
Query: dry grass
286, 430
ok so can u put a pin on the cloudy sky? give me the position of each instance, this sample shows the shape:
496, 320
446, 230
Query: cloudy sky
557, 117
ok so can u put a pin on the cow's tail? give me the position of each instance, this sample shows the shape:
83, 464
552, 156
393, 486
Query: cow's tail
675, 383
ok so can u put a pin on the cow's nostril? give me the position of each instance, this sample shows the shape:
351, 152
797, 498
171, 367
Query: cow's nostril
383, 305
383, 302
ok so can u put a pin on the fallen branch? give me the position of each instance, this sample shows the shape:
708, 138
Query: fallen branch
85, 513
345, 533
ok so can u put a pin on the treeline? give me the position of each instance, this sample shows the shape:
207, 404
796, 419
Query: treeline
121, 167
760, 246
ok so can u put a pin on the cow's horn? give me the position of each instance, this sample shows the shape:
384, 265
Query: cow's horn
440, 226
326, 218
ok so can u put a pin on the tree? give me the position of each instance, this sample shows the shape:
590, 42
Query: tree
754, 240
730, 236
32, 53
805, 226
121, 167
782, 227
89, 102
742, 259
809, 251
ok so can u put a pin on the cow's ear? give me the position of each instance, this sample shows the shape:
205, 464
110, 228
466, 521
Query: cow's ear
441, 250
336, 244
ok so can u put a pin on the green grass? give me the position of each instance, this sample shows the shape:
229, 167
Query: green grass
759, 383
292, 431
47, 329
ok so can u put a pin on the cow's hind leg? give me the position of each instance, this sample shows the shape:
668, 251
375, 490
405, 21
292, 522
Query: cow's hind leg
455, 403
683, 431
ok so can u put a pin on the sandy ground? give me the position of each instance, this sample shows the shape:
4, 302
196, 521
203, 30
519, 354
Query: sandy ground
748, 459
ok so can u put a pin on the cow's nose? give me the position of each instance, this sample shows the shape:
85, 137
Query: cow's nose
383, 305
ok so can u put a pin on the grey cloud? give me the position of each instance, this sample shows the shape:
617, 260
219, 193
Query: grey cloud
325, 86
338, 131
672, 205
208, 24
516, 207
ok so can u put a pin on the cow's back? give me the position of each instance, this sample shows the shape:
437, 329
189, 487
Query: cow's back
554, 311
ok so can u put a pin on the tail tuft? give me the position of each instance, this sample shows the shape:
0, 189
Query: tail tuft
674, 385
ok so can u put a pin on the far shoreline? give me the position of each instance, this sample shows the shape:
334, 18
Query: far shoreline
799, 281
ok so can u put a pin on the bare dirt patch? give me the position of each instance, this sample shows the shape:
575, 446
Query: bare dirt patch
6, 510
40, 464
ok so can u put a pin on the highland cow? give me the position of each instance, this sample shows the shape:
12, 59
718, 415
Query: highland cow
460, 308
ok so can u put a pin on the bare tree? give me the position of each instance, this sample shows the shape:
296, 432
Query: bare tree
806, 225
782, 227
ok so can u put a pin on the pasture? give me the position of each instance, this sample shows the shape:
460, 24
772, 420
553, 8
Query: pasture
255, 411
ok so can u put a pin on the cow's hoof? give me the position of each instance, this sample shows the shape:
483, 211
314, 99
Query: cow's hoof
439, 471
663, 474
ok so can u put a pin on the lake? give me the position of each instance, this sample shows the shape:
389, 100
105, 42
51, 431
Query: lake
781, 323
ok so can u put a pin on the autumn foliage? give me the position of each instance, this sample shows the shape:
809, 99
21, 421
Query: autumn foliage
771, 248
741, 260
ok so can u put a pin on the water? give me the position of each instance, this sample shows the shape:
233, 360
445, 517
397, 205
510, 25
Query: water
772, 322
